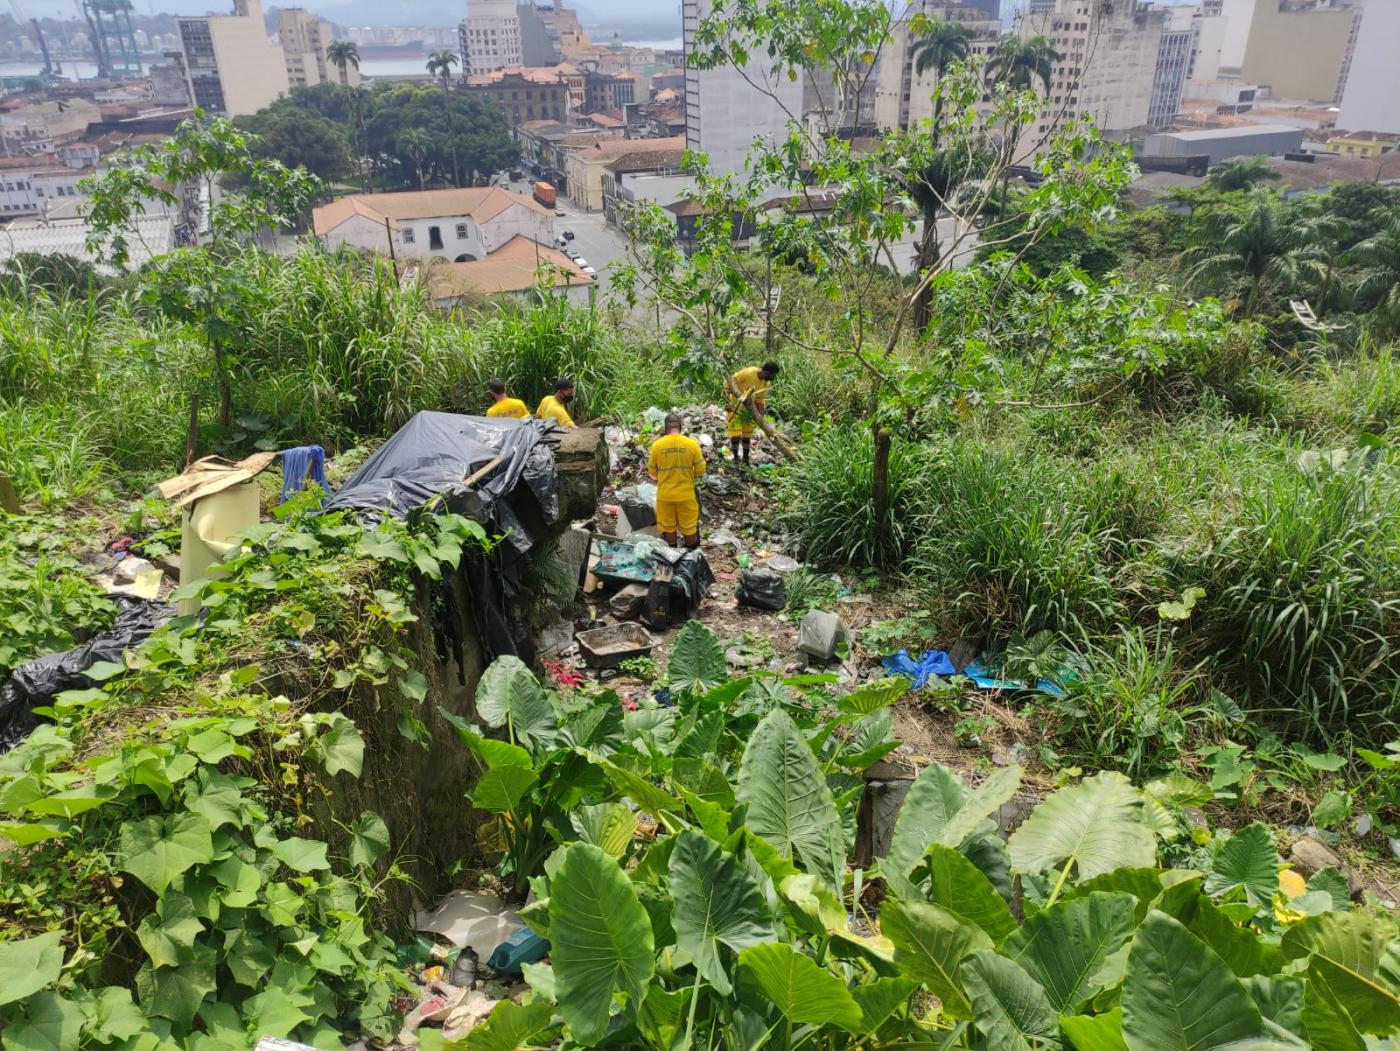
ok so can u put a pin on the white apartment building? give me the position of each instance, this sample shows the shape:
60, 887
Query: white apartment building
1371, 101
724, 112
233, 68
904, 97
1176, 56
461, 225
305, 39
489, 37
1108, 67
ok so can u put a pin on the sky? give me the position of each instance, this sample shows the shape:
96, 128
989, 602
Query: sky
397, 13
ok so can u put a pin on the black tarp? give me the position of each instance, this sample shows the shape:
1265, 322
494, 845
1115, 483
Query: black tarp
433, 454
32, 685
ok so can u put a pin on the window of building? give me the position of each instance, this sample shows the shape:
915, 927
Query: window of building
461, 231
408, 235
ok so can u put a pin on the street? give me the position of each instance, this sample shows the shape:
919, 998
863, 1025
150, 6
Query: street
593, 239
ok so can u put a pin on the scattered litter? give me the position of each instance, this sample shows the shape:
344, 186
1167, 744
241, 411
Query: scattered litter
762, 589
931, 664
638, 506
743, 657
723, 537
821, 634
654, 417
557, 637
522, 947
276, 1043
302, 464
1363, 824
783, 564
856, 600
467, 1015
469, 919
985, 678
722, 485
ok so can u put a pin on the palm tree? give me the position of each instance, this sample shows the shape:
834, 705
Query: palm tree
416, 144
440, 65
344, 54
938, 182
940, 43
1242, 173
1255, 250
1020, 62
1377, 266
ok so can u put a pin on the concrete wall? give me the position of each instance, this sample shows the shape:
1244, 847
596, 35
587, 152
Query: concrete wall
1372, 98
1238, 15
1297, 54
1210, 46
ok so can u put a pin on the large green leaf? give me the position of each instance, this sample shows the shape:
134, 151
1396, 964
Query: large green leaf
509, 1025
934, 797
1062, 947
1279, 999
369, 838
1355, 940
1095, 825
1008, 1005
959, 886
156, 849
930, 945
1327, 1026
1180, 996
873, 696
1350, 968
176, 992
981, 803
609, 826
717, 903
29, 964
600, 940
789, 802
1370, 1006
697, 660
1240, 947
510, 695
168, 934
880, 999
501, 788
52, 1023
1247, 860
800, 990
1095, 1032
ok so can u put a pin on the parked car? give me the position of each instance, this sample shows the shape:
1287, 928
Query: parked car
560, 212
590, 272
581, 263
572, 253
568, 235
560, 243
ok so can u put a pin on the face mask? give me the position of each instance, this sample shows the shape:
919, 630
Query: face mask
565, 397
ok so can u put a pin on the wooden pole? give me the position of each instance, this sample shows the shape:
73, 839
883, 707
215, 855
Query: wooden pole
746, 402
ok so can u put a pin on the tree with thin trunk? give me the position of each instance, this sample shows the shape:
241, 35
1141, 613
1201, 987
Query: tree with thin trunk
416, 144
344, 54
440, 65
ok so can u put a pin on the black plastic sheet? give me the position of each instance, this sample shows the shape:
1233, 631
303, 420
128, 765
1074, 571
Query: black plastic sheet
762, 589
32, 685
435, 452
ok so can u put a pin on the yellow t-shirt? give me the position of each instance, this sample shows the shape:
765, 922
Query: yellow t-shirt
551, 408
675, 462
513, 408
749, 380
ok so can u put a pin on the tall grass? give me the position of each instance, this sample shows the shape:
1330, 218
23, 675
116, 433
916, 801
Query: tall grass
49, 452
827, 499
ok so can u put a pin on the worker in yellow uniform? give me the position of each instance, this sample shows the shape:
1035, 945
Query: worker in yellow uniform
552, 407
674, 464
510, 408
756, 379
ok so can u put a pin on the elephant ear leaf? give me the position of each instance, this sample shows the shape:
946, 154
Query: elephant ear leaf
510, 695
789, 802
1248, 861
801, 991
1096, 826
1180, 996
934, 797
1351, 959
697, 663
1064, 946
1008, 1005
600, 940
716, 903
930, 945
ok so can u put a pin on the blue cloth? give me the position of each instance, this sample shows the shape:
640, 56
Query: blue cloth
299, 464
929, 664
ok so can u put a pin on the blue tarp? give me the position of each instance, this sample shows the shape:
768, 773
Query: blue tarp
930, 663
986, 679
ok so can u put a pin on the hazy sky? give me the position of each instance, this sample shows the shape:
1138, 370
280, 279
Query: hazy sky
391, 13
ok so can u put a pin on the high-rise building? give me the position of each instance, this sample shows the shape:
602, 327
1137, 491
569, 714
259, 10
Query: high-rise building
539, 40
726, 110
903, 96
1299, 49
305, 39
232, 67
1107, 68
1371, 100
489, 37
1176, 56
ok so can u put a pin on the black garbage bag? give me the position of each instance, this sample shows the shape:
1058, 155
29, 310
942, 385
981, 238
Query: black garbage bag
31, 685
762, 589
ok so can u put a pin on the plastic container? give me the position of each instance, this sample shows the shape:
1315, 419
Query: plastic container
522, 947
